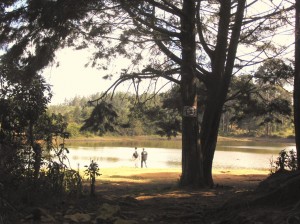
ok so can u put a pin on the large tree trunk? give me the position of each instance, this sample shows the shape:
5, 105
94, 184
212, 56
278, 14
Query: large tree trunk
192, 171
297, 81
198, 149
217, 87
209, 135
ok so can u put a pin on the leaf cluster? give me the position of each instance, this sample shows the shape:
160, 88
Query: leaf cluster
101, 120
286, 160
264, 95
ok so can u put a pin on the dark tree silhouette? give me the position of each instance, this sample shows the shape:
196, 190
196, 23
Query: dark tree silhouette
297, 80
184, 41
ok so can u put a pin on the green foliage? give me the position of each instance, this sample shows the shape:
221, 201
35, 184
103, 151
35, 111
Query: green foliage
59, 180
22, 103
285, 161
34, 154
74, 129
92, 171
275, 72
249, 113
73, 182
102, 119
54, 177
168, 122
181, 41
254, 108
167, 116
262, 102
119, 115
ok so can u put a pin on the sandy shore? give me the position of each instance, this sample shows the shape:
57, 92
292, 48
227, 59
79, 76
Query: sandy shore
151, 196
128, 175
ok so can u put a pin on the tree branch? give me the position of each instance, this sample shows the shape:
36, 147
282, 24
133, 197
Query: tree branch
234, 40
200, 31
253, 19
168, 7
164, 74
167, 52
151, 25
148, 73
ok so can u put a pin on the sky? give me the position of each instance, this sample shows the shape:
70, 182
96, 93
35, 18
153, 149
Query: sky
71, 78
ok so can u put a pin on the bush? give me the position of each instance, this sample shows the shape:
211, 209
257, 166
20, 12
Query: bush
73, 129
92, 172
285, 161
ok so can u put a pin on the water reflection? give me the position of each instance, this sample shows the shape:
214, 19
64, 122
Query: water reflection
256, 149
226, 157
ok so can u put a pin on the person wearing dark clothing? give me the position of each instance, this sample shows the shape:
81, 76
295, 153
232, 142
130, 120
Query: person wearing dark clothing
144, 156
135, 157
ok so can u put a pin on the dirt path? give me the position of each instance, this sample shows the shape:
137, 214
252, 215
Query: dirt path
152, 196
134, 196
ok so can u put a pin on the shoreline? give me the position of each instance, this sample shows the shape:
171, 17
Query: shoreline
178, 138
143, 175
150, 192
132, 179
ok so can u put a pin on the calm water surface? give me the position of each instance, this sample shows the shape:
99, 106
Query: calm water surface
229, 155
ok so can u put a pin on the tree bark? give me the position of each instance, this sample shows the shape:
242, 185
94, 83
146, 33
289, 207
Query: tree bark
192, 164
297, 81
209, 135
37, 159
37, 152
218, 84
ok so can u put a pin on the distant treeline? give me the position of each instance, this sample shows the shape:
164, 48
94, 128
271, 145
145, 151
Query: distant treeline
266, 111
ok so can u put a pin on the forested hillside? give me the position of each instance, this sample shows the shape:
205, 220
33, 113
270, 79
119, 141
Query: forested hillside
262, 107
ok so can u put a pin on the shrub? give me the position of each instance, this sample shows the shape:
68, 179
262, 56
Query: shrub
285, 161
92, 172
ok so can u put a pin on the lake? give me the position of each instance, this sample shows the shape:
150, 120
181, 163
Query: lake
229, 154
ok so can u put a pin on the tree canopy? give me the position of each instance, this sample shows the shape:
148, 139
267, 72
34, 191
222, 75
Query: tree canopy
189, 43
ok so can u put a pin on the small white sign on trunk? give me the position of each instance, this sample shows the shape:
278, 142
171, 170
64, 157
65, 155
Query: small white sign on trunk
189, 111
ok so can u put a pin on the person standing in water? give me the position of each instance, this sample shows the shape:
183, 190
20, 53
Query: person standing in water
135, 157
144, 156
